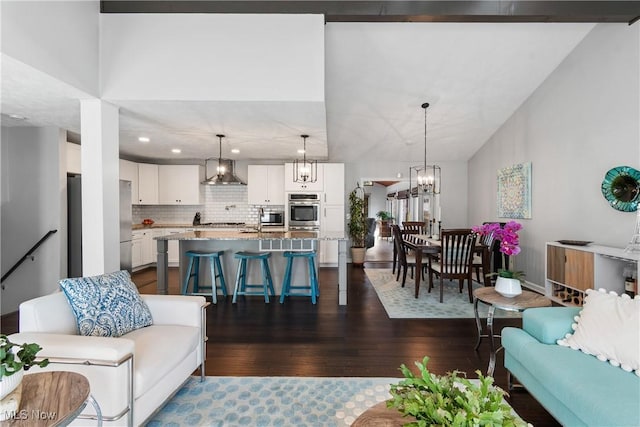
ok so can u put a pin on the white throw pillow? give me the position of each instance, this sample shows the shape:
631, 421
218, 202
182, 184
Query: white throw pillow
608, 327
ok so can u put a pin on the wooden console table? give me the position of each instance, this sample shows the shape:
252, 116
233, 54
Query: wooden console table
52, 399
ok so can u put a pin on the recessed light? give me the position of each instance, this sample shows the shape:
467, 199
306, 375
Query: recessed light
144, 139
301, 151
17, 117
235, 150
176, 150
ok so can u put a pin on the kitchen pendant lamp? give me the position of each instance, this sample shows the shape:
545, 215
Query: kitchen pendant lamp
305, 170
220, 169
428, 175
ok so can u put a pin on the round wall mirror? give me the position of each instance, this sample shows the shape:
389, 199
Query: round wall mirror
621, 188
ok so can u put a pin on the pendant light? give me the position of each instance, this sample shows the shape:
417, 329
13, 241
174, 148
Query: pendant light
425, 179
220, 169
305, 170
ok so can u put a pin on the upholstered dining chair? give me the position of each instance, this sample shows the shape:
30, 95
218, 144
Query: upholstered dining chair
455, 260
404, 260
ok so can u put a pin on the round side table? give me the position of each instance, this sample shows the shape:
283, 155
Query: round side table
53, 398
493, 299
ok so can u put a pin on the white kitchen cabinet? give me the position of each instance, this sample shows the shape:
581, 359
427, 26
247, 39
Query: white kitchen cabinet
129, 172
147, 184
143, 251
180, 184
265, 185
333, 175
299, 187
73, 158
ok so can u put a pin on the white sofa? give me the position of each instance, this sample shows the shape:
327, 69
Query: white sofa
132, 376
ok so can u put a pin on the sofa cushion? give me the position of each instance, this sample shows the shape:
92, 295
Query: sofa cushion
548, 324
158, 350
107, 305
596, 392
607, 327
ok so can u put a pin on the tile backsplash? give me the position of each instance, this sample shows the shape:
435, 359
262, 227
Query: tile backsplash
221, 204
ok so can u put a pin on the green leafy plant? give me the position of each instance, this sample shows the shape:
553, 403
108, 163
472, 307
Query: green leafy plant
357, 225
12, 361
450, 400
384, 215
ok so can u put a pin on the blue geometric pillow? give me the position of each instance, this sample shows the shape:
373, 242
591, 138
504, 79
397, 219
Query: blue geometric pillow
108, 305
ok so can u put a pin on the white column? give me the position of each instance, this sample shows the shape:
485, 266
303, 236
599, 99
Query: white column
100, 187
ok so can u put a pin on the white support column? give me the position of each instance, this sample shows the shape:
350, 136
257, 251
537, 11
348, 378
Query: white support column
100, 187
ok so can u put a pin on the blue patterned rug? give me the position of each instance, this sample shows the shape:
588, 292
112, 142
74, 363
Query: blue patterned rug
272, 401
400, 303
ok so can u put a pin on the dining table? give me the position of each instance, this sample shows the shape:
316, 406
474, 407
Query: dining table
423, 244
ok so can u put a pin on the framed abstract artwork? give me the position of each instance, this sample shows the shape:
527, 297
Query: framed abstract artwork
514, 191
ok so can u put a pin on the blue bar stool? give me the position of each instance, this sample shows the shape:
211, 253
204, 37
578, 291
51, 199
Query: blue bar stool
241, 277
216, 274
312, 288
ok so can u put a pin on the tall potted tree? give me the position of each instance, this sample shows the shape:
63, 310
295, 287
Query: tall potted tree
357, 226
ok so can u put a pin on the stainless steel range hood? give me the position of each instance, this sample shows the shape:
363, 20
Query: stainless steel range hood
228, 178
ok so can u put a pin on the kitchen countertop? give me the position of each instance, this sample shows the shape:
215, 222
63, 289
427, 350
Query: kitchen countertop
253, 235
207, 226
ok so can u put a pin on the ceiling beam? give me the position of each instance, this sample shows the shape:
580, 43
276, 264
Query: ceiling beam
402, 11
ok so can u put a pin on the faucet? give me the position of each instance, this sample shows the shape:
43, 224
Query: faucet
260, 214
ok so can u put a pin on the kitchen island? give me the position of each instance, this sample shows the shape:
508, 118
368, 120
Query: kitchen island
249, 240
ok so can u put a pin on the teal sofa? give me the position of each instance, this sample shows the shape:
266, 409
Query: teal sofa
576, 389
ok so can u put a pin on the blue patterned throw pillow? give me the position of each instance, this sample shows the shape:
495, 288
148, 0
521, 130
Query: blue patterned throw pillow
108, 305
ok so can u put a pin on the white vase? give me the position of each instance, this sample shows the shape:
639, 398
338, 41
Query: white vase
8, 384
508, 287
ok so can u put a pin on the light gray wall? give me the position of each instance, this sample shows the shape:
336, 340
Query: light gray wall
582, 121
32, 202
59, 38
377, 199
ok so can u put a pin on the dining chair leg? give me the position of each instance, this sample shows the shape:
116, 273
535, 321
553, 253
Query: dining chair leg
441, 287
460, 284
470, 290
398, 273
404, 276
430, 280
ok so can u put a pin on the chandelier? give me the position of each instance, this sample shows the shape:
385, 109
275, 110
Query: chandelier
305, 170
428, 176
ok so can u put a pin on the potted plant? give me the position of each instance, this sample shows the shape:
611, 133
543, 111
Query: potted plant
450, 400
384, 221
357, 226
14, 360
508, 282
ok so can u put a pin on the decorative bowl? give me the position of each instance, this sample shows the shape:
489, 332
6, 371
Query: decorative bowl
147, 221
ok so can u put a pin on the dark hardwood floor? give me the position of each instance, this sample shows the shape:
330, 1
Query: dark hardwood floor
298, 338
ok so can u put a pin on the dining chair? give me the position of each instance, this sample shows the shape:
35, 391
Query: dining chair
413, 227
455, 260
404, 260
486, 243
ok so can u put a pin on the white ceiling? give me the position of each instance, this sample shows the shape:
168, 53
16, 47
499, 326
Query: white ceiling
377, 76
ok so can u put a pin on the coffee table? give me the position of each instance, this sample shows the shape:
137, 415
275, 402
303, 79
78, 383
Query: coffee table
52, 399
493, 299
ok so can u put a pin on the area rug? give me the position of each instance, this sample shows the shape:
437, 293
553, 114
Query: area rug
272, 401
400, 303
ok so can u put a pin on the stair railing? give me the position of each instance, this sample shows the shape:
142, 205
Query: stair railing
29, 254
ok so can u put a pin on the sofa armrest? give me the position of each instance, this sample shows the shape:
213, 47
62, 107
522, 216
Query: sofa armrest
78, 348
181, 310
549, 324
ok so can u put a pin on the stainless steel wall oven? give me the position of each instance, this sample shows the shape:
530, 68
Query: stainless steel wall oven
304, 211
